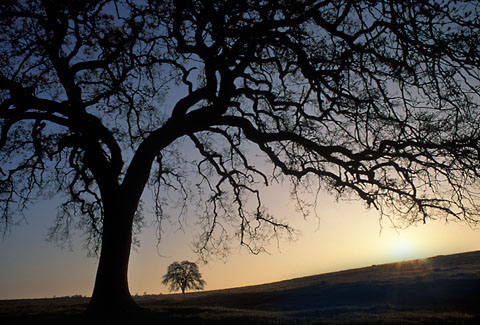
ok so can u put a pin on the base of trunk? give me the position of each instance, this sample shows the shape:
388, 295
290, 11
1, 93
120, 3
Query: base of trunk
114, 306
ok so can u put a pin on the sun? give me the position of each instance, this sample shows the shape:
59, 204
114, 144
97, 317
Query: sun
402, 249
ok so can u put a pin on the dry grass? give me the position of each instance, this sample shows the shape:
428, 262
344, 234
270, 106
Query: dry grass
443, 289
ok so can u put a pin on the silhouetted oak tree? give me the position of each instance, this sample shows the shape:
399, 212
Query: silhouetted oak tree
182, 276
377, 100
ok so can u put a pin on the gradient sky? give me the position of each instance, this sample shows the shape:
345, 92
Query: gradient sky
346, 236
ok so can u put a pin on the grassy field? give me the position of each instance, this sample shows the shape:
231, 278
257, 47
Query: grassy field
438, 290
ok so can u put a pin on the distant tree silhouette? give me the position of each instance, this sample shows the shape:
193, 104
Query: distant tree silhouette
376, 100
182, 276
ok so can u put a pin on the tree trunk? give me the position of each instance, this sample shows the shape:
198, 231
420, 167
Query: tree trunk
111, 294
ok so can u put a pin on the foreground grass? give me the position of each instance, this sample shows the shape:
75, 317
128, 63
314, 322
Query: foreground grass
381, 314
350, 315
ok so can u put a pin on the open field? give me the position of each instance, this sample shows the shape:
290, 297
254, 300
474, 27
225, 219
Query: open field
438, 290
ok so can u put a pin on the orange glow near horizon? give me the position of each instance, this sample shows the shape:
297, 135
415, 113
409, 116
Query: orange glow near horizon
346, 236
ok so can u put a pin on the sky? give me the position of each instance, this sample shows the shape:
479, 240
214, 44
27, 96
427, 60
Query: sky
345, 236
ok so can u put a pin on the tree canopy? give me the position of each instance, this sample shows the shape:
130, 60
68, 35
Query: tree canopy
183, 276
377, 100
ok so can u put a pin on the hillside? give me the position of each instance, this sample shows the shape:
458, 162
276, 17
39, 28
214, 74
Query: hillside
439, 289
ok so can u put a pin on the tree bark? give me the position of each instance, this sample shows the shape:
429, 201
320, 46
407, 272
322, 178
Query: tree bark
111, 294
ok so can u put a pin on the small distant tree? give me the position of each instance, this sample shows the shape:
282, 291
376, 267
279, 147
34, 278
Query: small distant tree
184, 275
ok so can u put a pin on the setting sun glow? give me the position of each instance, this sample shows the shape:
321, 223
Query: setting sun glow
402, 249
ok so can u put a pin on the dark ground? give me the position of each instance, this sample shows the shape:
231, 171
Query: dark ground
439, 290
